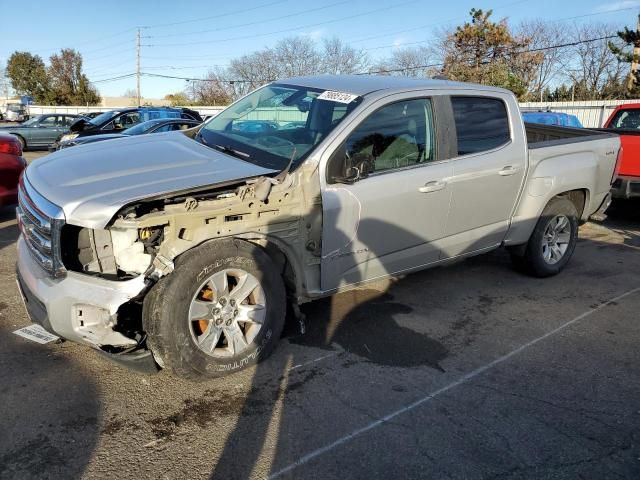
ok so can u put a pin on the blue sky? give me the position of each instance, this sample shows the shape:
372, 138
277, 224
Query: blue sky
185, 38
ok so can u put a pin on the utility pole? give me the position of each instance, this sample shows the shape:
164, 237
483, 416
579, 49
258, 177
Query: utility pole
138, 66
634, 63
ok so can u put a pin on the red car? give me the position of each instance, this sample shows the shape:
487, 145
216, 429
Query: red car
11, 166
625, 121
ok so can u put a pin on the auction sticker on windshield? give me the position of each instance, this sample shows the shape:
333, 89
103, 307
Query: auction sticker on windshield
36, 333
340, 97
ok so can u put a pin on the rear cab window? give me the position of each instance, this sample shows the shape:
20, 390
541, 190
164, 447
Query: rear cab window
482, 123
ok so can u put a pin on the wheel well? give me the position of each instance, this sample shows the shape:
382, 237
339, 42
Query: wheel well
578, 198
281, 260
21, 138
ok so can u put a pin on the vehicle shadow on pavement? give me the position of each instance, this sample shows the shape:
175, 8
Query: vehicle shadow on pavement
273, 420
361, 322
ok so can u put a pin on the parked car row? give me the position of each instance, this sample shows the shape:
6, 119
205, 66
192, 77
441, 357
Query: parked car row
53, 129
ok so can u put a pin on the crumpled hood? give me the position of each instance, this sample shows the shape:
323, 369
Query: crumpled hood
92, 182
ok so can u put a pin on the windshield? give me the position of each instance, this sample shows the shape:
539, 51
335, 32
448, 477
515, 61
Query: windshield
31, 121
277, 123
104, 117
140, 128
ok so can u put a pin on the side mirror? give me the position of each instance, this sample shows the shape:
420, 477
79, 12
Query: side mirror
342, 168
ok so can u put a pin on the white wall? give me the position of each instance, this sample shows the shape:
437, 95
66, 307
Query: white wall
592, 114
38, 109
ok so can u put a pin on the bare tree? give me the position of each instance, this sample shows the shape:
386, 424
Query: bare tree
297, 56
215, 89
546, 35
409, 62
338, 58
595, 68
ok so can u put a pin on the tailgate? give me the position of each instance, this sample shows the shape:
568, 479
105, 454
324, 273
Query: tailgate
630, 162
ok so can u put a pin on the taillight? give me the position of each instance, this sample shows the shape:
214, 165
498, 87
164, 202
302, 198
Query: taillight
617, 168
12, 147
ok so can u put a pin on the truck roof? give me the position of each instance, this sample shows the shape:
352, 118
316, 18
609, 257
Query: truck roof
365, 84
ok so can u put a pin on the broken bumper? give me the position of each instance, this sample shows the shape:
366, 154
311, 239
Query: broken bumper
77, 307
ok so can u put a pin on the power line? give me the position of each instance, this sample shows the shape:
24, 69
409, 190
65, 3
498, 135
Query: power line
257, 22
201, 19
393, 70
121, 77
530, 50
301, 27
396, 32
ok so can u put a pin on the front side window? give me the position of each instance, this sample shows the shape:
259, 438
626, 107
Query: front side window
395, 136
482, 123
48, 121
277, 124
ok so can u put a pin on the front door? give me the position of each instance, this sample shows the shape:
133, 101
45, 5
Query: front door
386, 220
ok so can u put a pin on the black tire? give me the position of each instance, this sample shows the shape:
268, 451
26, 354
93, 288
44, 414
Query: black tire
166, 309
533, 260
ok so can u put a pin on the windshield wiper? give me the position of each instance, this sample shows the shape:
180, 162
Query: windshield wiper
232, 151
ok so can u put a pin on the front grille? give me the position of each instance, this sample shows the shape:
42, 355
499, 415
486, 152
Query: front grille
40, 222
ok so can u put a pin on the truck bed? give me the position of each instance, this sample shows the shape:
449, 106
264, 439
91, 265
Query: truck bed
539, 136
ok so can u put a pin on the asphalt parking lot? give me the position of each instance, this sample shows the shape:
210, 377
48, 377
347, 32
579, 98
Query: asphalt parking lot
471, 371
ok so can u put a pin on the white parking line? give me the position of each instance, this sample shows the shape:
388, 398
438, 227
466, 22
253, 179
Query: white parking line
314, 360
465, 378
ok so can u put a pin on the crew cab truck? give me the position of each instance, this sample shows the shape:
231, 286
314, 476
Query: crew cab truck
625, 121
186, 247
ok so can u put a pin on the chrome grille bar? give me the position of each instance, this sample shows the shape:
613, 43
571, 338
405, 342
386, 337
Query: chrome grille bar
40, 223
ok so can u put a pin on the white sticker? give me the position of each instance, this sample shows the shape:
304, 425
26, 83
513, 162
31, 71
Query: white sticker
36, 333
340, 97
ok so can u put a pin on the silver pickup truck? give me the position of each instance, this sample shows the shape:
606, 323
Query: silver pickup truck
187, 247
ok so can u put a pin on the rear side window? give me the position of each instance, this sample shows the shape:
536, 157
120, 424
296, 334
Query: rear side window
482, 123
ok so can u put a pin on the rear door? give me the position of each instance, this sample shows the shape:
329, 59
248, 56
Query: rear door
488, 172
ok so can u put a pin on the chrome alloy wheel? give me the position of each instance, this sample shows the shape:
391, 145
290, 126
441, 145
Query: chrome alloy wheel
227, 312
556, 238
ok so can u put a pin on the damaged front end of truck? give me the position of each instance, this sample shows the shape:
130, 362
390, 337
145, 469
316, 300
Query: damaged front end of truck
144, 240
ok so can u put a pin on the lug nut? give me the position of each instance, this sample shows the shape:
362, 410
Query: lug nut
216, 311
228, 322
232, 302
222, 301
218, 321
235, 312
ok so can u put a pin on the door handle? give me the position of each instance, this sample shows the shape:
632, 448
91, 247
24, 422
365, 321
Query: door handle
508, 170
433, 186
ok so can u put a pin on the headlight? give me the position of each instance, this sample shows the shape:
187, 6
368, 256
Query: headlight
68, 136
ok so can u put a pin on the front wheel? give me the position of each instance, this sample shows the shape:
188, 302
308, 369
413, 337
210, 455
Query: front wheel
553, 240
221, 310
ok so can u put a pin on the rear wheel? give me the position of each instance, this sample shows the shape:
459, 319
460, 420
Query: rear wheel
221, 310
552, 242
